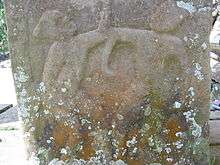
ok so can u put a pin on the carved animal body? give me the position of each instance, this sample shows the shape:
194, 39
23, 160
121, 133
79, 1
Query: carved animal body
68, 61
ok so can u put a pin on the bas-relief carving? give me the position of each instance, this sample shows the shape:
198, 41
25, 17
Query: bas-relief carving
138, 16
103, 75
53, 25
97, 80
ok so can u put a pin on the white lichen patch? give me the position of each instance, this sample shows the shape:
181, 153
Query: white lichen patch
24, 105
20, 75
118, 162
156, 144
67, 83
189, 115
166, 131
46, 112
56, 161
23, 93
145, 128
131, 142
195, 128
35, 108
49, 141
109, 132
198, 66
76, 110
179, 134
135, 150
85, 121
187, 6
120, 117
158, 149
99, 159
204, 46
196, 36
41, 88
147, 111
198, 71
185, 38
168, 150
169, 159
60, 102
178, 144
192, 92
32, 129
63, 151
177, 105
205, 9
151, 141
63, 90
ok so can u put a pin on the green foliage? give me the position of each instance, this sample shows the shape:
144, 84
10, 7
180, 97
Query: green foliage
3, 29
212, 160
1, 4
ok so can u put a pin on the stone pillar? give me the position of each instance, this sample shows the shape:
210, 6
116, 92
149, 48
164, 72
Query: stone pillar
112, 82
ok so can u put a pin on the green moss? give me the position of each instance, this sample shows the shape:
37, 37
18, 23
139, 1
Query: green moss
8, 128
200, 149
3, 29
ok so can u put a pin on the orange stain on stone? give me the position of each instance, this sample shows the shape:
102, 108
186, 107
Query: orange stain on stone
123, 146
87, 150
174, 126
64, 136
135, 162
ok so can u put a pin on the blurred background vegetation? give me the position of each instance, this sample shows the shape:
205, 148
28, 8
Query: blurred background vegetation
3, 30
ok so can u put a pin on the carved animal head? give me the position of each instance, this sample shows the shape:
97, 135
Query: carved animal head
167, 16
54, 25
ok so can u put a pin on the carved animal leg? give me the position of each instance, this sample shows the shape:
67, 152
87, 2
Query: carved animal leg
55, 61
85, 42
106, 55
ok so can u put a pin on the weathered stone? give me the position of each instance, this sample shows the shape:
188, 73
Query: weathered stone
112, 82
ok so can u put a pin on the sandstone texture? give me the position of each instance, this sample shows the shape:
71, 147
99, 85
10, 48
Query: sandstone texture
104, 82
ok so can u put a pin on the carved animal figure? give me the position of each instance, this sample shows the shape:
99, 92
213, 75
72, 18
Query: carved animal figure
99, 76
54, 25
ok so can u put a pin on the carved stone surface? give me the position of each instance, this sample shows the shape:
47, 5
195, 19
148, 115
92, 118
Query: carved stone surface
112, 81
